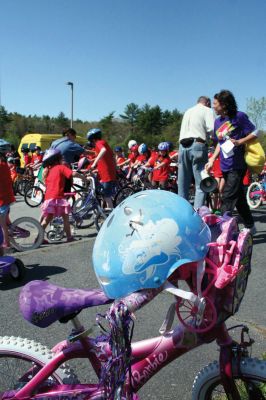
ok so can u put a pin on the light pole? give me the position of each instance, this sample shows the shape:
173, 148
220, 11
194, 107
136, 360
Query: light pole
71, 86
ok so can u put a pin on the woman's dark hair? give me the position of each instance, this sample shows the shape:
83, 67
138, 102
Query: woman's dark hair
69, 131
228, 102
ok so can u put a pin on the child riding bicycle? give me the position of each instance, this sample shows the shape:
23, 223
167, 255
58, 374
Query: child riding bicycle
54, 176
6, 197
161, 166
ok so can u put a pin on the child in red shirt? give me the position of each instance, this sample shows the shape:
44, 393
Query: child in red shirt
119, 156
216, 172
54, 176
105, 163
12, 168
37, 156
26, 157
143, 157
161, 166
6, 198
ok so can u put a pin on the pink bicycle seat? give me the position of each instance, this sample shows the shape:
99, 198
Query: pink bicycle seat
42, 303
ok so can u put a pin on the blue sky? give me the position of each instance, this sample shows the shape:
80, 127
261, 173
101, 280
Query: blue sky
165, 52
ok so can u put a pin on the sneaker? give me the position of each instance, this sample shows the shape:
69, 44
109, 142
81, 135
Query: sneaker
72, 239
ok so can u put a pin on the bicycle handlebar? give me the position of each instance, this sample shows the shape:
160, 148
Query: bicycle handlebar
137, 300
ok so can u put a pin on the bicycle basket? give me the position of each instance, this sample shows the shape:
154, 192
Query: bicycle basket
231, 250
228, 299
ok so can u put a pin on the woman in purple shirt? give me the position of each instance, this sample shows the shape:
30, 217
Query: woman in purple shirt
232, 130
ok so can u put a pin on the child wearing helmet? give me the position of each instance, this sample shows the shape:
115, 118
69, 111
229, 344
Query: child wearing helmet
131, 158
37, 155
12, 168
14, 154
6, 198
143, 157
105, 163
119, 156
133, 154
161, 166
54, 177
26, 156
131, 143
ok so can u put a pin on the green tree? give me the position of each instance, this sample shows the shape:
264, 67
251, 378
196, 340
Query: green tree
256, 110
107, 125
150, 122
130, 115
61, 121
5, 119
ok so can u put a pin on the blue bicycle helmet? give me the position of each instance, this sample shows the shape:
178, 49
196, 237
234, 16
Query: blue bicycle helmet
171, 146
145, 239
94, 133
163, 146
143, 148
118, 149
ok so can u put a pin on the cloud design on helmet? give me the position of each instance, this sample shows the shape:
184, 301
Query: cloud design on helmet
154, 243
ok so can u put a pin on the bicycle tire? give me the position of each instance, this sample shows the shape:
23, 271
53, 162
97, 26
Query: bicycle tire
21, 186
29, 184
17, 350
17, 270
87, 222
84, 216
256, 201
54, 236
253, 372
123, 193
38, 194
34, 230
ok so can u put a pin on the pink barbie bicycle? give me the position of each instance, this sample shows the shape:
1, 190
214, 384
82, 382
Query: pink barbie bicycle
256, 193
216, 288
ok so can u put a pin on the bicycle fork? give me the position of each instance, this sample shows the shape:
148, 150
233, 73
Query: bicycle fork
226, 372
230, 353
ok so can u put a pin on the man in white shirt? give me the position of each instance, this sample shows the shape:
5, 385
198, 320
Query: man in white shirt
197, 125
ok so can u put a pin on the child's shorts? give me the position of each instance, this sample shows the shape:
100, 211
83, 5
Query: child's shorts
56, 207
108, 188
4, 210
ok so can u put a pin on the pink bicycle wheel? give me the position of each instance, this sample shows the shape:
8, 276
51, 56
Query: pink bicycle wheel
187, 315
